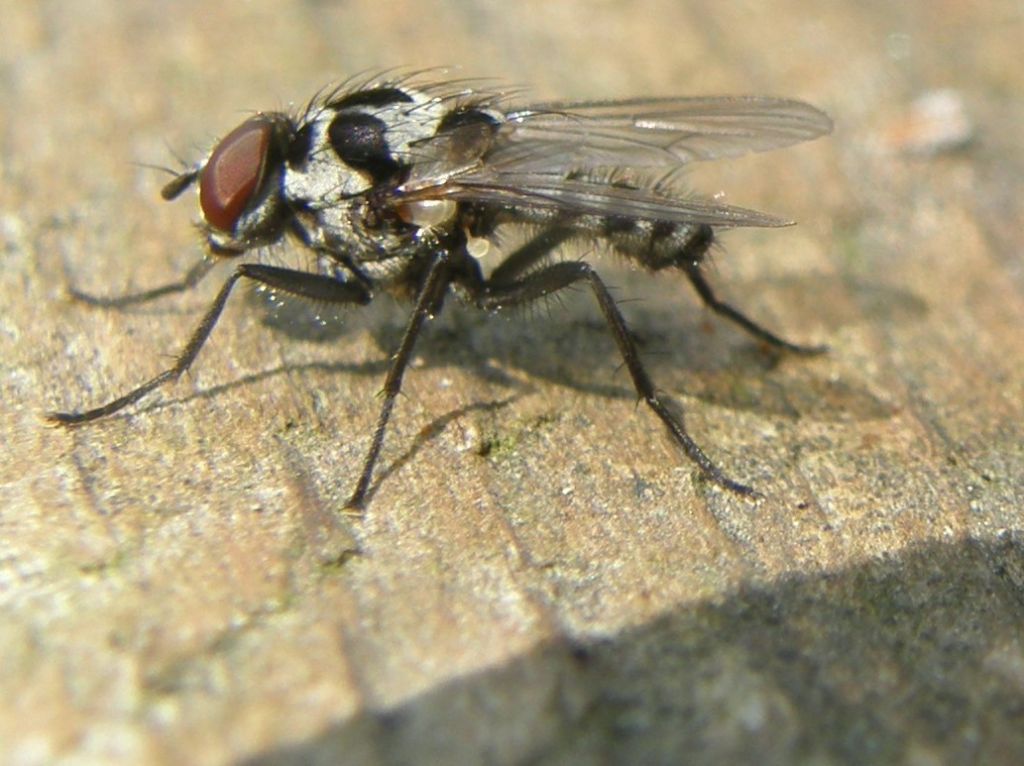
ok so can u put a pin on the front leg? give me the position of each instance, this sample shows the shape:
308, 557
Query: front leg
299, 283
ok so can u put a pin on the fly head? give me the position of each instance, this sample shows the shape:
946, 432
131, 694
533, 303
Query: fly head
240, 184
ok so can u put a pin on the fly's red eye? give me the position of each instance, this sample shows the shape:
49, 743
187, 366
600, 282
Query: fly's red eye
233, 173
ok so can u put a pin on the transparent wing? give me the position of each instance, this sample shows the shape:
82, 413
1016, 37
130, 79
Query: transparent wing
559, 138
541, 191
551, 156
651, 132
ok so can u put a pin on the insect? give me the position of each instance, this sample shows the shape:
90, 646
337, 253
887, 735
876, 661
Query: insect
398, 185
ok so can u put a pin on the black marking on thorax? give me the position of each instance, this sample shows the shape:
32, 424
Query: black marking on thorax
370, 97
360, 140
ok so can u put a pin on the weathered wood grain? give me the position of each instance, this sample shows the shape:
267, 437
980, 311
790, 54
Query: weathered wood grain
538, 577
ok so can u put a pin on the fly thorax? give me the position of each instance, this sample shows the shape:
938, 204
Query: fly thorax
318, 181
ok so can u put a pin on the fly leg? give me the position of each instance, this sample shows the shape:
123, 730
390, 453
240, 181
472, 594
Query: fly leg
428, 301
490, 296
723, 309
299, 283
526, 256
690, 259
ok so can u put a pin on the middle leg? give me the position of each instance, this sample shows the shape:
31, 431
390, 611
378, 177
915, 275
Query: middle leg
428, 301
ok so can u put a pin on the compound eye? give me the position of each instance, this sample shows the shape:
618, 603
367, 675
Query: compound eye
233, 173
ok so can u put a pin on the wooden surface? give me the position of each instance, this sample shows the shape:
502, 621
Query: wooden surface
538, 577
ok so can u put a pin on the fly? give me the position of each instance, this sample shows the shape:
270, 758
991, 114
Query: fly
397, 185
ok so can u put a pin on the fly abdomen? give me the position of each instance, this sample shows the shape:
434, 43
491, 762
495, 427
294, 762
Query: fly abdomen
654, 244
658, 244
